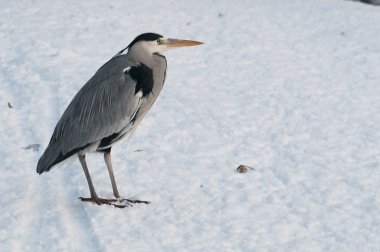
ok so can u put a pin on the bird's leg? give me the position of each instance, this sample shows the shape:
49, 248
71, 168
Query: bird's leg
120, 203
94, 197
107, 160
82, 160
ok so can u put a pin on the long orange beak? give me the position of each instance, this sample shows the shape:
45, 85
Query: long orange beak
180, 42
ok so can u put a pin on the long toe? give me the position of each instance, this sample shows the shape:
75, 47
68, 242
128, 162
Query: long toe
135, 201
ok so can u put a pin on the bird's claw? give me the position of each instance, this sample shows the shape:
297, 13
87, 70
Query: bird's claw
119, 203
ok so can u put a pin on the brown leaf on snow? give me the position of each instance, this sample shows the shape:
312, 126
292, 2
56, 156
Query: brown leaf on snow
244, 168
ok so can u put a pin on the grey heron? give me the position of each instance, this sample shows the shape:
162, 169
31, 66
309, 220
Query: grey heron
109, 107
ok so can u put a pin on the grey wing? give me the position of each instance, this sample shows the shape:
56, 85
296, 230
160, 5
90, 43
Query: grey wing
106, 105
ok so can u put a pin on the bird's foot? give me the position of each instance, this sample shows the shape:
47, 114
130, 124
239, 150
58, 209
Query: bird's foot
119, 203
100, 201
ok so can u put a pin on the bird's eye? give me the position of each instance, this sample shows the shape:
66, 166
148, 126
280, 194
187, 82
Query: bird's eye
159, 41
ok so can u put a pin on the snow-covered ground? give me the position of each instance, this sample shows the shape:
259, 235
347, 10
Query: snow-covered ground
291, 88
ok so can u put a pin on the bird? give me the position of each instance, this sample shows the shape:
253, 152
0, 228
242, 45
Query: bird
109, 107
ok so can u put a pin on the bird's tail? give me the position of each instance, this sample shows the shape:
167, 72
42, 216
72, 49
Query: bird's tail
53, 155
50, 157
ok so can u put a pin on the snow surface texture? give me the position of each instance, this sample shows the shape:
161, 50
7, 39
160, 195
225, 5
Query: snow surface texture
290, 88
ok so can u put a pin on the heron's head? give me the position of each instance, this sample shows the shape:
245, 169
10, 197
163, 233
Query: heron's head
155, 43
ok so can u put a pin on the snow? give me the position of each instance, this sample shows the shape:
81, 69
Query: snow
289, 88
